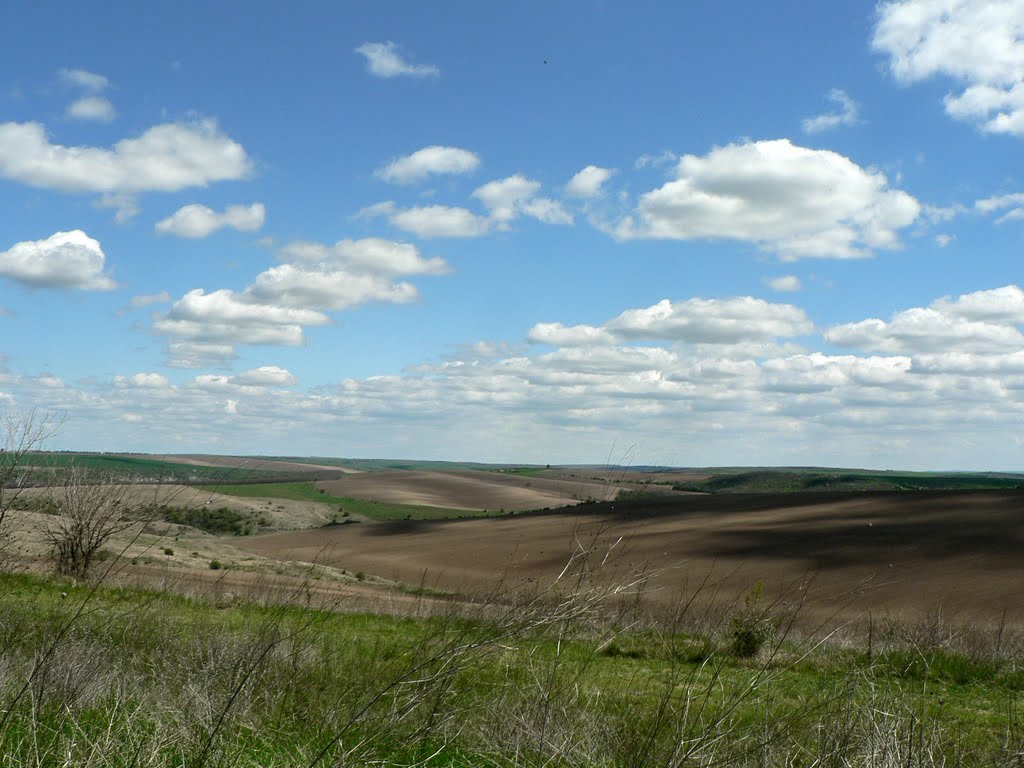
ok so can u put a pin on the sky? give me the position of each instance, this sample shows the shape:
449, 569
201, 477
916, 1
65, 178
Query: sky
689, 234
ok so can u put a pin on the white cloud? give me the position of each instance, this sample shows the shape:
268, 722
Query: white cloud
785, 284
666, 157
1014, 201
696, 321
166, 158
998, 202
63, 260
978, 43
999, 305
290, 285
942, 240
503, 196
979, 322
429, 221
795, 201
383, 60
712, 321
191, 354
569, 336
266, 376
371, 254
197, 221
506, 199
126, 205
428, 161
588, 182
95, 108
281, 300
225, 318
547, 210
145, 380
82, 78
848, 114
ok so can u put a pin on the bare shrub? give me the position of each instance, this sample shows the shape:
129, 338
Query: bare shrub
20, 435
88, 515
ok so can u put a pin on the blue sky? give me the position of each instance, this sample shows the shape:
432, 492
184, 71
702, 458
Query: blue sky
676, 233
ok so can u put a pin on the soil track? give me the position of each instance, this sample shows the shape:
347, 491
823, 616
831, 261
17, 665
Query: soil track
890, 552
469, 489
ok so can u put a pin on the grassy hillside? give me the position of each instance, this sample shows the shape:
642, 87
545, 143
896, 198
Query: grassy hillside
307, 491
127, 677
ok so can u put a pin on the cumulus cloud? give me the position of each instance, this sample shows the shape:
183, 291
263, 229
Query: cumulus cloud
165, 158
428, 221
978, 43
983, 321
83, 78
505, 200
502, 196
224, 317
266, 376
370, 254
95, 108
198, 221
192, 354
785, 284
383, 60
280, 301
848, 114
560, 335
434, 160
290, 285
588, 182
795, 201
144, 380
68, 260
712, 321
695, 321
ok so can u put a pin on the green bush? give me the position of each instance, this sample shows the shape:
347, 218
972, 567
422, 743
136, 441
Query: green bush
751, 628
168, 551
221, 520
216, 565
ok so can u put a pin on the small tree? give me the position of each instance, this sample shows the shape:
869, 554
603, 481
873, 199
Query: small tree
20, 435
90, 512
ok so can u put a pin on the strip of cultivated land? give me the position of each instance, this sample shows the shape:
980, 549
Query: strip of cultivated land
895, 554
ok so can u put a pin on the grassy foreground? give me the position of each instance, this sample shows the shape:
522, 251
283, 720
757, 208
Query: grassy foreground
131, 677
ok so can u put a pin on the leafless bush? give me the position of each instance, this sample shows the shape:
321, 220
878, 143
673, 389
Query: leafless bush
20, 435
88, 515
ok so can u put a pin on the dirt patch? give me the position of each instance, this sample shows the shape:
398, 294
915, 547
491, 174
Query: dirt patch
887, 552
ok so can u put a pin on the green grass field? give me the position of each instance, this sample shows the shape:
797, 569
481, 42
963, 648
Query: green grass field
307, 491
129, 677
